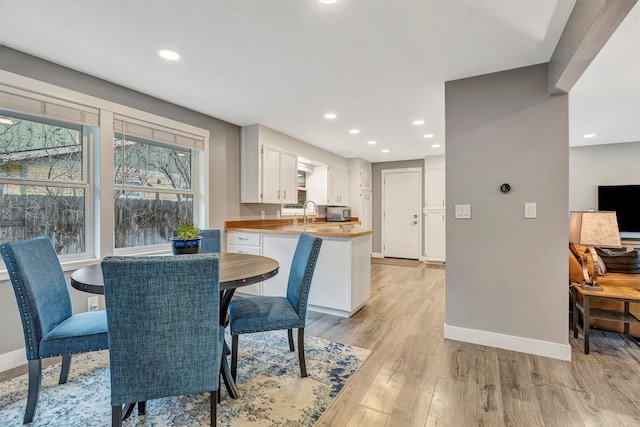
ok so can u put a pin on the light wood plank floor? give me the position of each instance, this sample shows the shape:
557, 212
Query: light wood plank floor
414, 377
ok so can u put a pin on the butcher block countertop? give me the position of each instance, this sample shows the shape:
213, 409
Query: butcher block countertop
285, 226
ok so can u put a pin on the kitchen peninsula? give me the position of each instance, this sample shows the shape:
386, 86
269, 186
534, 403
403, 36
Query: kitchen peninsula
342, 279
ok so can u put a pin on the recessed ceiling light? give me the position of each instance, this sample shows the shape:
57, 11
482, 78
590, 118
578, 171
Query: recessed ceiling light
327, 1
590, 135
429, 135
385, 150
435, 145
330, 116
6, 121
169, 54
354, 131
371, 142
418, 122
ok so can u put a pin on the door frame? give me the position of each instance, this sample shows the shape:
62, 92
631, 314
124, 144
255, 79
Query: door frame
420, 171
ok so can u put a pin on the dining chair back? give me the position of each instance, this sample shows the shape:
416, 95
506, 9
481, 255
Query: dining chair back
44, 304
164, 328
258, 314
210, 241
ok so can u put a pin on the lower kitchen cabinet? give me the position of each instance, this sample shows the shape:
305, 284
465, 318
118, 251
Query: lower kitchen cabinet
342, 279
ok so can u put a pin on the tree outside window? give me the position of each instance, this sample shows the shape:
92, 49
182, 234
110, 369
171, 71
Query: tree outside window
42, 181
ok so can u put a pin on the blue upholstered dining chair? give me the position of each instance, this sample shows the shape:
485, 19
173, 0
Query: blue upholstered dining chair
210, 241
259, 314
164, 328
44, 304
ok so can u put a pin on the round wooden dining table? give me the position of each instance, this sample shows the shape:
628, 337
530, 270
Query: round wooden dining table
236, 270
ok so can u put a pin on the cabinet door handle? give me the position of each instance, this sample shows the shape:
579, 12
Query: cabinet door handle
243, 238
285, 194
278, 194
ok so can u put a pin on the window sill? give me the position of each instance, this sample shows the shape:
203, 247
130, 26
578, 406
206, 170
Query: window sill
73, 265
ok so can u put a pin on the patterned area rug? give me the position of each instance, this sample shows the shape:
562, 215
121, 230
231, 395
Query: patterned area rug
271, 390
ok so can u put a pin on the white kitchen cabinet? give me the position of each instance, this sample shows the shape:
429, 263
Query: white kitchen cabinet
435, 188
279, 171
342, 278
338, 186
360, 179
281, 248
435, 239
328, 185
360, 195
267, 173
246, 243
435, 214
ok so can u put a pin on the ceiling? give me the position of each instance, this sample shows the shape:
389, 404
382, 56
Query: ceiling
377, 64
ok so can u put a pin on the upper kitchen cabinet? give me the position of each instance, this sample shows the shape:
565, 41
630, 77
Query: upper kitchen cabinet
328, 185
435, 188
359, 175
338, 186
268, 173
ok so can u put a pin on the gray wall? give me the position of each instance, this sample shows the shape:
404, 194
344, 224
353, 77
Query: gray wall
506, 274
376, 183
610, 164
224, 161
224, 142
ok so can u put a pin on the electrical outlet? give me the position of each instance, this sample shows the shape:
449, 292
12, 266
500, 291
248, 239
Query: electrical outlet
93, 303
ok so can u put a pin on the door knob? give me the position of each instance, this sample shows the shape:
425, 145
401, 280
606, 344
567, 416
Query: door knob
414, 222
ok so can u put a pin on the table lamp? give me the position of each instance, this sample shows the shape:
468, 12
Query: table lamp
593, 228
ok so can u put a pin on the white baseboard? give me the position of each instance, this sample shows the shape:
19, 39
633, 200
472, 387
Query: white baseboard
326, 310
377, 255
509, 342
13, 359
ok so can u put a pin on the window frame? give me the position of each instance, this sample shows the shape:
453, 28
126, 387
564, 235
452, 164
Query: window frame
99, 221
88, 134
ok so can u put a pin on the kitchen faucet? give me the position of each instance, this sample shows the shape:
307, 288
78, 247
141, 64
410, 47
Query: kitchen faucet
304, 210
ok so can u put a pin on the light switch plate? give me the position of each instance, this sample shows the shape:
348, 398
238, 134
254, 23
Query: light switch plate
463, 212
530, 210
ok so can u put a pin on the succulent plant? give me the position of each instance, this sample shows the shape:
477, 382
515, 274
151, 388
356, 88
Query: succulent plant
186, 230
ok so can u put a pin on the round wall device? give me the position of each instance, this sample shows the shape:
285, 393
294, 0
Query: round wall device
505, 188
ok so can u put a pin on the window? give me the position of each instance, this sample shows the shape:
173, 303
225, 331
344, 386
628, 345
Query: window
304, 169
43, 180
153, 187
93, 199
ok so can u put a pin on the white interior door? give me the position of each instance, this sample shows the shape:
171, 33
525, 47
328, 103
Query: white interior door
402, 213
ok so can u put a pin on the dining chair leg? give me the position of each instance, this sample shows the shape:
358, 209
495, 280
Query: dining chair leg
234, 356
116, 416
35, 377
128, 410
64, 372
303, 365
214, 407
290, 333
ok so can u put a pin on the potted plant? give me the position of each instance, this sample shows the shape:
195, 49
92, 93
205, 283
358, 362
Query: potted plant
186, 238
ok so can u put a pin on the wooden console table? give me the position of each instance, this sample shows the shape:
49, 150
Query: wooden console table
615, 293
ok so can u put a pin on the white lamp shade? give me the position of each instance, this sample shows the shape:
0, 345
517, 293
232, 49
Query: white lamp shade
594, 228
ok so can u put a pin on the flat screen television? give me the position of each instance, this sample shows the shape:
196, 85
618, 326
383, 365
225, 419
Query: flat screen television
624, 200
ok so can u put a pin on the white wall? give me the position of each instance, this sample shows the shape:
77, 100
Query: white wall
610, 164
